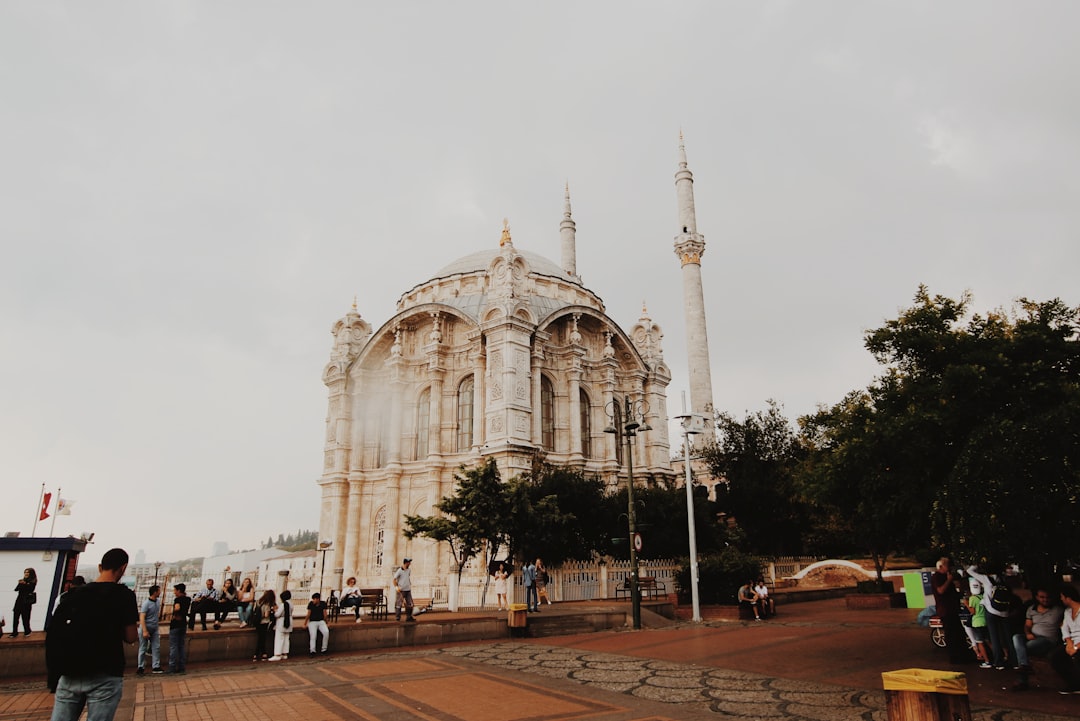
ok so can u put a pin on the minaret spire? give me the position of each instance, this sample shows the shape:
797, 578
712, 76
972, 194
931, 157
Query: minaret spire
568, 235
689, 247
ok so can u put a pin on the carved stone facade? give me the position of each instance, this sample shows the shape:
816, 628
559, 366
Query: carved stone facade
502, 354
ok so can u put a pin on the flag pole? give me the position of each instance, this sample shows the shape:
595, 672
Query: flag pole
37, 513
55, 514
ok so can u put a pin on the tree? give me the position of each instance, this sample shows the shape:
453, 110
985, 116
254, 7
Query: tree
473, 516
970, 440
757, 458
553, 513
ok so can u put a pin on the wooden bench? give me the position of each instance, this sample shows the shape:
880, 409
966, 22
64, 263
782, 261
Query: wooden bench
647, 585
374, 599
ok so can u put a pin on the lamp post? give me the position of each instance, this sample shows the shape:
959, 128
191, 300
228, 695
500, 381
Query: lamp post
157, 567
324, 546
692, 423
624, 415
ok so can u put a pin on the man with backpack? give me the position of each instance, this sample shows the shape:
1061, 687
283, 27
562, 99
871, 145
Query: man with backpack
84, 646
997, 600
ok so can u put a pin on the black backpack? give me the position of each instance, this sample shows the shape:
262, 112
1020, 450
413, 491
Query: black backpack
1000, 597
76, 634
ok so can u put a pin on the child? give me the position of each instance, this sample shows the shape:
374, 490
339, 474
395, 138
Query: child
978, 624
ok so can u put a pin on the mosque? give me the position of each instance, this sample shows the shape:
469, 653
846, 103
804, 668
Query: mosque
503, 354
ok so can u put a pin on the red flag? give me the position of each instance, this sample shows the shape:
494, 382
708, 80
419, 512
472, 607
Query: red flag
45, 506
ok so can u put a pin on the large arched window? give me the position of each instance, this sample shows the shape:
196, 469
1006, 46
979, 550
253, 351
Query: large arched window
465, 414
547, 414
423, 416
586, 423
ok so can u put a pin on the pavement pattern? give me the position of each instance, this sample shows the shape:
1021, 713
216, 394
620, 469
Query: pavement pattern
506, 681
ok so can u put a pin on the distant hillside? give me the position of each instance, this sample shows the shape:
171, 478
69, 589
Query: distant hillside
299, 541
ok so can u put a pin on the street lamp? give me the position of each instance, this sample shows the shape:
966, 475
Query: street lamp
692, 423
157, 567
625, 415
324, 546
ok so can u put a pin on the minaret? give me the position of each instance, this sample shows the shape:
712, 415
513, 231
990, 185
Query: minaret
568, 235
689, 247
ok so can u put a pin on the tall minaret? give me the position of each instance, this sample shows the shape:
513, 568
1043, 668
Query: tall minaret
689, 247
568, 235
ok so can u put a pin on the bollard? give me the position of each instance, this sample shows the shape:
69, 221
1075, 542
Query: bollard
917, 694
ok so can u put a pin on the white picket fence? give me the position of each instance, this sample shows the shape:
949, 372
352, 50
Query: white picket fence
589, 580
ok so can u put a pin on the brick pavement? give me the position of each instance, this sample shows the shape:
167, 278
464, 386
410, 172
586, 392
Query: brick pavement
688, 672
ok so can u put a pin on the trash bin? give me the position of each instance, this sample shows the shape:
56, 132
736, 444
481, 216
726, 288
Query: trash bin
516, 616
918, 694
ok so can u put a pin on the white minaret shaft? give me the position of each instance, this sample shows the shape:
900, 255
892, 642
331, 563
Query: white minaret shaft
568, 235
689, 247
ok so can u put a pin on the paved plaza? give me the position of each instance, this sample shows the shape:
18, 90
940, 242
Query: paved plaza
825, 664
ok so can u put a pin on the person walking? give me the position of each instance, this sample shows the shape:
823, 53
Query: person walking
541, 584
315, 620
150, 639
403, 591
84, 647
178, 629
26, 597
282, 627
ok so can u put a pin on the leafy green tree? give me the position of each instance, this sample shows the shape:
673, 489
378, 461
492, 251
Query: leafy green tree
971, 437
757, 459
553, 514
472, 517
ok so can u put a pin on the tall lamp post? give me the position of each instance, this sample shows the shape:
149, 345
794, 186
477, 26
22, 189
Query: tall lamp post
624, 416
692, 423
157, 567
324, 546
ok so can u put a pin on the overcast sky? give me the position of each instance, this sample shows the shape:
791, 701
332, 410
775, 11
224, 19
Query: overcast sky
192, 193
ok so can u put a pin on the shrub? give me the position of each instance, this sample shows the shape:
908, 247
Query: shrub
719, 576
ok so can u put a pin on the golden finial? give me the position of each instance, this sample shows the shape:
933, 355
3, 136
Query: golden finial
505, 239
644, 310
354, 302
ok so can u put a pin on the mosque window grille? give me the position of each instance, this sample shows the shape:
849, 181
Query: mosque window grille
547, 414
465, 414
423, 419
586, 423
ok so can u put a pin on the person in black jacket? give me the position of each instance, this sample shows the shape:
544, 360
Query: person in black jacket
24, 601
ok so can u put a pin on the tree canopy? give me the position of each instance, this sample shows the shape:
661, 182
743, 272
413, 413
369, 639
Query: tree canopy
970, 440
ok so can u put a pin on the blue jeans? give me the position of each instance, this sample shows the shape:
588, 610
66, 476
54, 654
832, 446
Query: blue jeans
177, 657
243, 611
531, 598
150, 647
99, 694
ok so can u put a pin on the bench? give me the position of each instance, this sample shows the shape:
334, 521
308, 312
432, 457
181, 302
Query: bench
648, 586
374, 599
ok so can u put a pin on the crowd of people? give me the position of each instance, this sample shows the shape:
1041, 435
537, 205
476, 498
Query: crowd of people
1004, 631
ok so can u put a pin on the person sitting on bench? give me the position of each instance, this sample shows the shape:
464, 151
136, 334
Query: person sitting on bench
350, 596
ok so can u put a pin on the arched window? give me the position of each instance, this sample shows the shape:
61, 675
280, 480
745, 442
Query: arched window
465, 414
586, 423
547, 414
380, 538
423, 416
